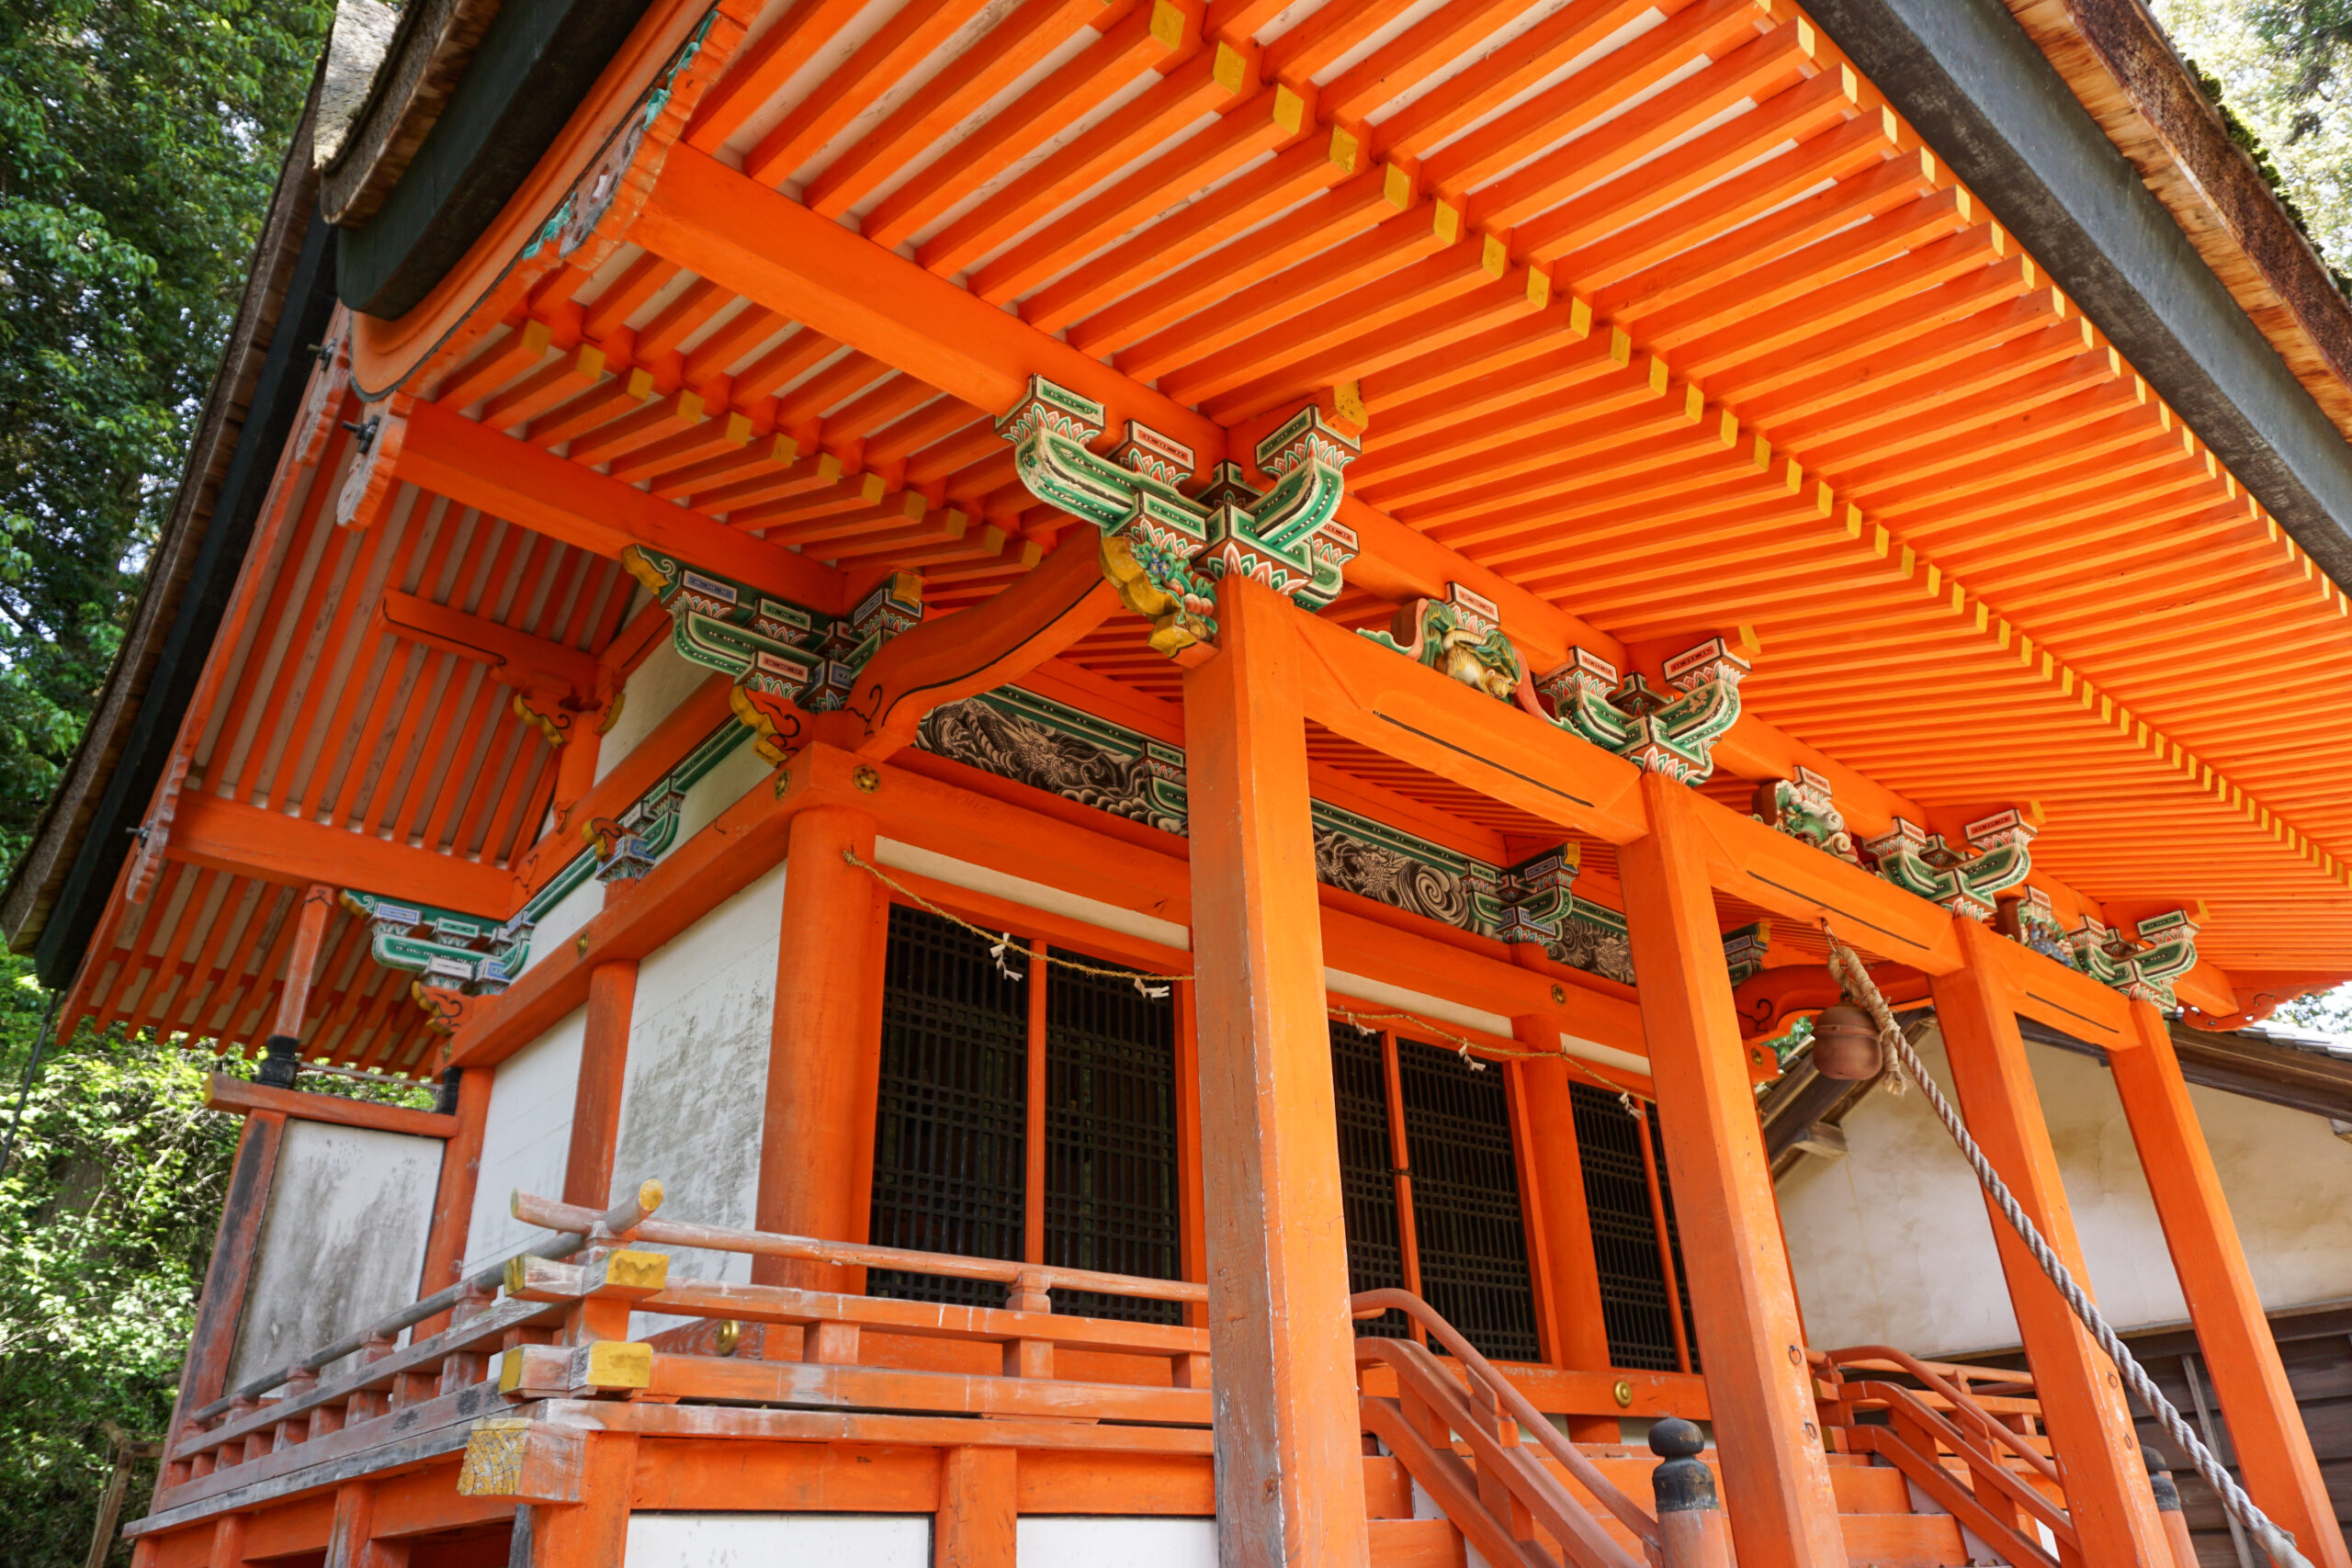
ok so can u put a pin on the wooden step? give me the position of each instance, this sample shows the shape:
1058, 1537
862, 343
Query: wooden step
1902, 1540
1416, 1543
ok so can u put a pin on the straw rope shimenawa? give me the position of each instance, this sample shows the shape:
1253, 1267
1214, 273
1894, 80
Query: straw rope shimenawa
1847, 968
1152, 984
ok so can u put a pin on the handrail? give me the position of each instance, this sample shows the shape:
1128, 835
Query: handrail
555, 1215
1627, 1512
1919, 1368
625, 1215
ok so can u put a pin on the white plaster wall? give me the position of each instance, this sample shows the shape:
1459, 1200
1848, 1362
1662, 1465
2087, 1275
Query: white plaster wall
696, 1080
765, 1540
341, 1241
1048, 1541
721, 788
659, 683
1893, 1245
526, 1137
573, 910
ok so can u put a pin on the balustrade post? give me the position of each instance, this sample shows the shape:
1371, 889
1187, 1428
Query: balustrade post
2266, 1424
2082, 1397
1289, 1450
228, 1542
2167, 1496
1760, 1386
1682, 1494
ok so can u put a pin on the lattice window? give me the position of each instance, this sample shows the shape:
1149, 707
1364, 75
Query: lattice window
950, 1160
1633, 1308
1367, 1171
1467, 1228
1111, 1197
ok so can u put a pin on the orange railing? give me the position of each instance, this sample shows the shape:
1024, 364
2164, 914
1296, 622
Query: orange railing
555, 1329
1500, 1497
1943, 1417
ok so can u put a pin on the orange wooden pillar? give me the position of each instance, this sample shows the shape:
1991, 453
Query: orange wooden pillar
283, 1052
596, 1099
978, 1522
820, 1060
1776, 1476
453, 1197
591, 1534
2274, 1452
1579, 1337
2082, 1398
1289, 1452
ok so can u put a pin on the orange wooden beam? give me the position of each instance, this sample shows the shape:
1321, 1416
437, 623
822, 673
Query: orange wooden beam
475, 466
243, 1098
226, 835
983, 648
771, 249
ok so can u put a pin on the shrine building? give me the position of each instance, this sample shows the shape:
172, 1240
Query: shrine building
1109, 752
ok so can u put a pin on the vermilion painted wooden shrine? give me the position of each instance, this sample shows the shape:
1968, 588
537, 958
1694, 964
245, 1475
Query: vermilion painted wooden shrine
1010, 693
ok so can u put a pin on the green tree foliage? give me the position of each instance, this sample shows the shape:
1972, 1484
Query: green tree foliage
2281, 72
139, 141
107, 1215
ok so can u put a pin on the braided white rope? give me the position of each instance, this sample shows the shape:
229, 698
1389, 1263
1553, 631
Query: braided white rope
1847, 968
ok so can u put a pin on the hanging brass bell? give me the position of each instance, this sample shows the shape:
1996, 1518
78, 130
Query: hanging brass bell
1846, 1044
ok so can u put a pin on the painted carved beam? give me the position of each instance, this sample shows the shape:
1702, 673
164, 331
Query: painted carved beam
553, 684
982, 647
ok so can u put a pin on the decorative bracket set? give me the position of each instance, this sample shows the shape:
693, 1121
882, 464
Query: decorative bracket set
1985, 882
1165, 550
1461, 636
2143, 965
786, 660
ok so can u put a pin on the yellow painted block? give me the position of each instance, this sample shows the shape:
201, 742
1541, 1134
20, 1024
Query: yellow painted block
1881, 541
1853, 516
739, 429
640, 384
1396, 188
1806, 39
1910, 562
784, 449
1658, 375
1290, 110
1493, 257
616, 1363
1579, 317
1792, 481
1621, 346
1345, 149
1232, 68
1346, 398
828, 468
510, 1369
637, 1270
1825, 502
1935, 580
871, 490
1694, 405
690, 407
1539, 288
1447, 221
1167, 24
1762, 455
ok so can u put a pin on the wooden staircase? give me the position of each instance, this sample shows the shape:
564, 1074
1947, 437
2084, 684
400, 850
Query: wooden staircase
1927, 1476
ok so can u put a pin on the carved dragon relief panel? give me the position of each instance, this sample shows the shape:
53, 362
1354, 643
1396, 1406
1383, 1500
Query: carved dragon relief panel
1017, 735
